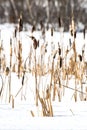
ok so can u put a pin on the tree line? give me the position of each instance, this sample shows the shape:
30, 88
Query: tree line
48, 11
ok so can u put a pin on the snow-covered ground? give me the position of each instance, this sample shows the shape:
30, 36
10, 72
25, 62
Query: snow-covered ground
72, 116
67, 114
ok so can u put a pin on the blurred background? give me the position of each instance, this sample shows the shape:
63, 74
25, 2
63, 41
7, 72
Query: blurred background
47, 11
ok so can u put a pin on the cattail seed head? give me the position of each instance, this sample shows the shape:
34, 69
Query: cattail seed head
15, 32
33, 28
52, 31
59, 51
59, 21
60, 62
10, 47
35, 42
75, 34
20, 22
84, 33
80, 58
7, 71
70, 42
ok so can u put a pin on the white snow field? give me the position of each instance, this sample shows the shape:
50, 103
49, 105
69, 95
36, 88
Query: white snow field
67, 114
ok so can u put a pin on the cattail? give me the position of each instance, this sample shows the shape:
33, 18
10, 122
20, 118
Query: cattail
82, 52
35, 42
52, 31
59, 21
23, 78
67, 50
20, 21
84, 33
15, 32
7, 71
60, 62
54, 55
71, 31
70, 42
10, 47
80, 57
46, 47
59, 51
41, 24
33, 28
72, 28
75, 34
45, 50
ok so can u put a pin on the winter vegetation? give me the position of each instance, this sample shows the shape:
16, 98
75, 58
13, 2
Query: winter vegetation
43, 65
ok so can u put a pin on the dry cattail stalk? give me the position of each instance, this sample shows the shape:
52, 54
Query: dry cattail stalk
10, 53
3, 63
35, 45
32, 113
47, 93
1, 49
74, 49
85, 99
54, 90
1, 85
12, 101
10, 69
46, 105
19, 58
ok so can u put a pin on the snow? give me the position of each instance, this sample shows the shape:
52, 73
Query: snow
67, 114
71, 117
